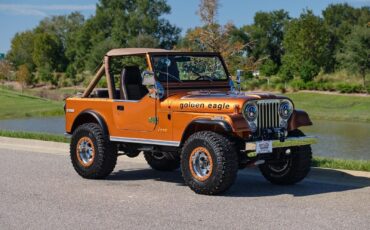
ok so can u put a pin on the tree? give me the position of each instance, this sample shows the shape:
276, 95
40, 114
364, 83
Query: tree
269, 68
23, 76
46, 50
355, 55
227, 39
339, 20
121, 22
5, 70
267, 33
22, 49
64, 29
208, 10
212, 36
305, 43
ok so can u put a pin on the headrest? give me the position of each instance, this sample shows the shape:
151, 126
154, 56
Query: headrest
131, 75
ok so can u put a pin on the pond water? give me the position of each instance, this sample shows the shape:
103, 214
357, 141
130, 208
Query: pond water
54, 125
347, 140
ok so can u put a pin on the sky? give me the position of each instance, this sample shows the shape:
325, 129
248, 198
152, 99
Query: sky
20, 15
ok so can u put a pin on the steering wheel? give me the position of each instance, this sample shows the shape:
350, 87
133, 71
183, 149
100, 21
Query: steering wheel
205, 78
170, 75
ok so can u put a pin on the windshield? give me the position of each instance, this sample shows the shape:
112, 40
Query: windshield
181, 68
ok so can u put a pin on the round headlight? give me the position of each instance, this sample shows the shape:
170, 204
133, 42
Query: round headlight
251, 112
285, 109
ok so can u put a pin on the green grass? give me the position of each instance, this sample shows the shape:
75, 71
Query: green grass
333, 107
359, 165
16, 105
34, 136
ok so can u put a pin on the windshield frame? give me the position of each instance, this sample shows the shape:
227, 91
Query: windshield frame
195, 54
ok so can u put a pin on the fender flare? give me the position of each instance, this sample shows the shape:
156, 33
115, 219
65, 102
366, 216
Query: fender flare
299, 118
90, 116
224, 125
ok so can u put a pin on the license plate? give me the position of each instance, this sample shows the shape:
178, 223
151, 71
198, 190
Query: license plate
263, 147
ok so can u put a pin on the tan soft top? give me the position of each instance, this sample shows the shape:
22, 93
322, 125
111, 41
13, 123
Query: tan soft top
135, 51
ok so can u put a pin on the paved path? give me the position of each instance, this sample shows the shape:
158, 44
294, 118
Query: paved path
40, 190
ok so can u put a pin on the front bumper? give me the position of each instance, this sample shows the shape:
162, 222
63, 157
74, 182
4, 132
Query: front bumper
288, 142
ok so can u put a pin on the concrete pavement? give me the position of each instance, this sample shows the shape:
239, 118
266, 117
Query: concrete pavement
40, 190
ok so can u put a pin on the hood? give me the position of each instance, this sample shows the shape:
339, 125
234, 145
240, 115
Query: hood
213, 102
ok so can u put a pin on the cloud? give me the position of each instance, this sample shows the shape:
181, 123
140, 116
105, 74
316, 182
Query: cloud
41, 10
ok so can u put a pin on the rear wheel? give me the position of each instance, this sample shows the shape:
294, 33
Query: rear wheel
161, 161
92, 154
291, 169
209, 163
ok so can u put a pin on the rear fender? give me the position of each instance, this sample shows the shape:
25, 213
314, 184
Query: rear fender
89, 116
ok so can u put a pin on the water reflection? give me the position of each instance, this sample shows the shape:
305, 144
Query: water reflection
349, 140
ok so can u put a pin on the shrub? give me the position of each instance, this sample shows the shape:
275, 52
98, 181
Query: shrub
349, 88
312, 85
297, 85
368, 88
281, 88
269, 68
308, 71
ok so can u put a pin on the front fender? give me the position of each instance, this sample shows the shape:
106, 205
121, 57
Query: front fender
206, 124
298, 119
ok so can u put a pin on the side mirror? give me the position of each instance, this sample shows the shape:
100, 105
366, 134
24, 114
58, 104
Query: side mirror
238, 78
148, 78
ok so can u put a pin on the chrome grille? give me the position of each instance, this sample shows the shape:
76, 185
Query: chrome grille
268, 114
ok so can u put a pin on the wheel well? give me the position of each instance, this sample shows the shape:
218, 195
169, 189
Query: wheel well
221, 127
89, 117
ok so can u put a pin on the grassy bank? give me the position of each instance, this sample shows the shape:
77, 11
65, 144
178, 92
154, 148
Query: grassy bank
34, 136
358, 165
16, 105
333, 107
322, 162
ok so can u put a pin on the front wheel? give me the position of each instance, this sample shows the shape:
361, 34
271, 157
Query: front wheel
209, 163
92, 154
292, 169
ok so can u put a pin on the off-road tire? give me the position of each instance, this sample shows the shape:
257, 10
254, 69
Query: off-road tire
105, 152
224, 163
164, 164
299, 165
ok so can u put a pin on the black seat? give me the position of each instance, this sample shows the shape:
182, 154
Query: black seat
132, 87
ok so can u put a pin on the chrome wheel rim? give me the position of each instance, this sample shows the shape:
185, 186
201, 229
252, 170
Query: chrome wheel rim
201, 163
85, 151
158, 156
278, 168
